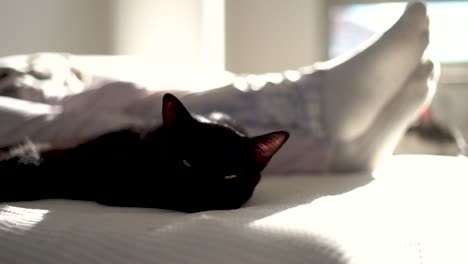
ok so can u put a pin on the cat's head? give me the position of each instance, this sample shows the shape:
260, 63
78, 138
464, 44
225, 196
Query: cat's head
216, 166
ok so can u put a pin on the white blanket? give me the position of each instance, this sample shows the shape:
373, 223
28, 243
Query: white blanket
414, 211
86, 96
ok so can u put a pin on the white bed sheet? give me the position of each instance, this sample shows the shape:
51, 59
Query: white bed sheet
414, 211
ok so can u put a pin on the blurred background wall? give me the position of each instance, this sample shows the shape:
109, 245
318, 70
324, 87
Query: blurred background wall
274, 35
55, 25
239, 35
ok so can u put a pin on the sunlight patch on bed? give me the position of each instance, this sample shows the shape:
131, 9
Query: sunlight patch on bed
426, 166
353, 228
17, 220
413, 208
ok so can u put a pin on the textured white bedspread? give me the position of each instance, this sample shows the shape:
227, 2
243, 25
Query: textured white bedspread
414, 211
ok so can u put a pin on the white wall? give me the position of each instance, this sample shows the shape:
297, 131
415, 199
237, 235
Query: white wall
274, 35
170, 31
261, 35
54, 25
175, 31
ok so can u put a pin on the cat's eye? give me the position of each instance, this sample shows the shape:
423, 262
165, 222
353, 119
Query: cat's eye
230, 177
187, 164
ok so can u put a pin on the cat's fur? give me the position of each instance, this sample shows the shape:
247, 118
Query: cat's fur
186, 164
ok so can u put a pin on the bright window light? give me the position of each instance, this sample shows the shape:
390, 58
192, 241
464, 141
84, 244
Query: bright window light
351, 24
19, 220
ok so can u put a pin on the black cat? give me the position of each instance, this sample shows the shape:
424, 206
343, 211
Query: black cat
188, 164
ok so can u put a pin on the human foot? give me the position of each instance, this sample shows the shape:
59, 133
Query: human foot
358, 85
390, 124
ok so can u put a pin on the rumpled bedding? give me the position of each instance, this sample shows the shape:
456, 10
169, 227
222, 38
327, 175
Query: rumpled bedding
411, 210
64, 99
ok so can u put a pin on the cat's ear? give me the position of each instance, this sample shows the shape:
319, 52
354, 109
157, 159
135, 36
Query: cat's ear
174, 111
265, 146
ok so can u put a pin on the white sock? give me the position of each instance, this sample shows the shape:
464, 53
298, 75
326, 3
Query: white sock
358, 85
390, 124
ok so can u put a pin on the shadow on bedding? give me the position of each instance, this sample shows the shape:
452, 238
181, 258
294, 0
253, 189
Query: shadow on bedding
166, 235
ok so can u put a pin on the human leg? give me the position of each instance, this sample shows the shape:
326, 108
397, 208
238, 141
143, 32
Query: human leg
360, 84
344, 98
